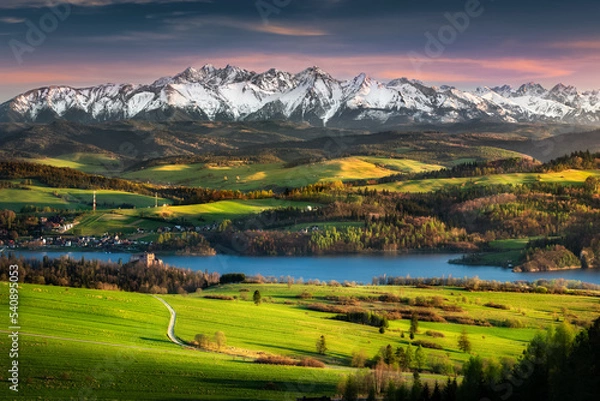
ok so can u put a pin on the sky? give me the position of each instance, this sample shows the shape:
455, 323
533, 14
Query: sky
465, 43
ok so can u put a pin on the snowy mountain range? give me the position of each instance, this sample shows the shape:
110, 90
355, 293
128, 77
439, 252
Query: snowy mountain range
313, 96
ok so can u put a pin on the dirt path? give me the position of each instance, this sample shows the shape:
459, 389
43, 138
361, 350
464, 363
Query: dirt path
171, 328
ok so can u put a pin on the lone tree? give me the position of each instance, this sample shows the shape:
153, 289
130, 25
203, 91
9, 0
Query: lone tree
257, 297
420, 358
220, 339
414, 325
464, 344
321, 345
202, 340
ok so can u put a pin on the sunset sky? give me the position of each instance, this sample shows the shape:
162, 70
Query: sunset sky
138, 41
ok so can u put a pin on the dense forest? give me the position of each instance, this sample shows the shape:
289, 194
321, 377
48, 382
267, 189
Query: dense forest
132, 277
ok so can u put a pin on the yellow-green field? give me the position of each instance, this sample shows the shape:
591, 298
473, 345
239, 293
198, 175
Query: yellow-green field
568, 177
78, 343
87, 162
71, 198
259, 176
211, 212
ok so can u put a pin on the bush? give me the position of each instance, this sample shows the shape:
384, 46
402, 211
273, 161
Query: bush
441, 365
311, 363
426, 344
435, 334
276, 360
305, 295
497, 306
509, 322
202, 341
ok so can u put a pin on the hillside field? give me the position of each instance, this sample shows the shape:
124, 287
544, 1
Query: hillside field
110, 344
568, 177
247, 177
71, 198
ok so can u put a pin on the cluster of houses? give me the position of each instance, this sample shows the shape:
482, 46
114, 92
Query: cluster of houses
103, 242
57, 224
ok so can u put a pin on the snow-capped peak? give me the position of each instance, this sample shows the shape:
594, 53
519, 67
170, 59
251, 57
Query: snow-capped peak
312, 95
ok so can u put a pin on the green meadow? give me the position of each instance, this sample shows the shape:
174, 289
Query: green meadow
568, 177
87, 162
246, 177
78, 343
71, 198
215, 211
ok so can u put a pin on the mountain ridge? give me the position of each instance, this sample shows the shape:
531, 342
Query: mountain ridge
312, 95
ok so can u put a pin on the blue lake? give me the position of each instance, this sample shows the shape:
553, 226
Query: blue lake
361, 268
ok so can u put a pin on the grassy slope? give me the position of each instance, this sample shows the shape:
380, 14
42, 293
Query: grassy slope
216, 211
86, 162
135, 357
257, 176
276, 326
568, 177
70, 198
135, 361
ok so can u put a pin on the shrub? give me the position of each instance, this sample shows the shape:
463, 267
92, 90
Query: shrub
497, 306
441, 365
276, 360
331, 308
305, 295
435, 334
311, 363
426, 344
509, 322
202, 341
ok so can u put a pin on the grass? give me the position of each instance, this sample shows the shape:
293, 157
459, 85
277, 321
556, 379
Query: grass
78, 343
568, 177
113, 222
87, 162
283, 326
402, 165
259, 176
71, 198
133, 359
216, 211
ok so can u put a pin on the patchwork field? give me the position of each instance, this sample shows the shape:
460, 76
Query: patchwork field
259, 176
211, 212
568, 177
71, 198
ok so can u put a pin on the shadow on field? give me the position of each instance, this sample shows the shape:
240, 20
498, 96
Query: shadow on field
156, 340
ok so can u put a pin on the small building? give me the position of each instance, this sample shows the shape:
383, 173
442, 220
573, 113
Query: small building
147, 259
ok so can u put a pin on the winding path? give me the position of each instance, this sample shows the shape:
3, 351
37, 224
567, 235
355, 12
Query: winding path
171, 328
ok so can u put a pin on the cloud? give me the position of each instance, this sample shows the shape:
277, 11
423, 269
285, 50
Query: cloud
577, 45
128, 36
12, 20
187, 23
